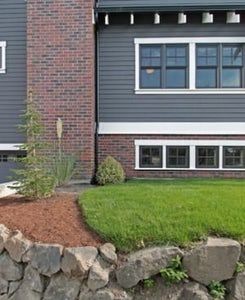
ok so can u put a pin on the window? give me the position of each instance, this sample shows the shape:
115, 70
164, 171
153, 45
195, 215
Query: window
3, 57
234, 157
190, 65
163, 66
177, 157
207, 157
219, 66
150, 156
207, 62
4, 158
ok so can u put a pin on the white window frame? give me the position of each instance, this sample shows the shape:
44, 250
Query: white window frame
192, 64
192, 153
3, 45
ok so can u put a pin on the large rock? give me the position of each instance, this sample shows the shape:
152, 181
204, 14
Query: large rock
77, 261
25, 293
108, 252
144, 264
195, 291
62, 288
160, 291
17, 245
85, 293
98, 276
10, 270
215, 260
33, 279
4, 234
3, 286
46, 258
13, 287
104, 295
236, 288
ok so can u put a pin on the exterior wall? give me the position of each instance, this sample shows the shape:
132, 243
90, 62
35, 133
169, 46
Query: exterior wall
122, 148
117, 99
61, 73
13, 82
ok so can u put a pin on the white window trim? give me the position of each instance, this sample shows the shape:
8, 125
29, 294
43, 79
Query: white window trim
192, 64
192, 153
3, 45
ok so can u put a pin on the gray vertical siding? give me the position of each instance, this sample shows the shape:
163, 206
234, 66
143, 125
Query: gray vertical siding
119, 103
13, 83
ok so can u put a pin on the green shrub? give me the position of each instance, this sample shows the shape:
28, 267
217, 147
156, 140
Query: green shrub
34, 180
63, 168
110, 171
217, 290
174, 273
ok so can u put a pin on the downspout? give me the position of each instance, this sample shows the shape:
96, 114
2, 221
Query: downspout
96, 72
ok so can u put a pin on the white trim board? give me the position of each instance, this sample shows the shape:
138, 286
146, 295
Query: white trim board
10, 147
211, 128
192, 42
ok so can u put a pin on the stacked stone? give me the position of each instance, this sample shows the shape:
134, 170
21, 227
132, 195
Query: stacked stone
35, 271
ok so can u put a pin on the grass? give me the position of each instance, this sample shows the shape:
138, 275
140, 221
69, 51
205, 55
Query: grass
176, 212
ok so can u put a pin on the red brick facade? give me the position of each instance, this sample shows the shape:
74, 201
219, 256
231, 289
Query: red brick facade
122, 148
60, 65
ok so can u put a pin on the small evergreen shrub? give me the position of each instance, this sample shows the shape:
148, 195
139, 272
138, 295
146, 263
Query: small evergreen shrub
149, 283
34, 180
110, 171
240, 267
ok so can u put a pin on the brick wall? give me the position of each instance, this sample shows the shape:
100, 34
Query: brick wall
122, 148
61, 73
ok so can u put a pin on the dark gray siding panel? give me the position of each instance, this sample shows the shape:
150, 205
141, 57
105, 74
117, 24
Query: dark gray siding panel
13, 83
119, 103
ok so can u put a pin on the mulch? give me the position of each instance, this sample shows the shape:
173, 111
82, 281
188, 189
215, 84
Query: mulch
54, 220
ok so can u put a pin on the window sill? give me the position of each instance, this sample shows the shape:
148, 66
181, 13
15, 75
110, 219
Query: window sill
188, 91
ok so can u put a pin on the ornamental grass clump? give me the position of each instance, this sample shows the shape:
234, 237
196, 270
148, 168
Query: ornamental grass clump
34, 180
110, 171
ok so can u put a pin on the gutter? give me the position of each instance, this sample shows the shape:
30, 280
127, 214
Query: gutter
197, 8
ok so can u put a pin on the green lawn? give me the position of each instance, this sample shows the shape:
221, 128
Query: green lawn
175, 212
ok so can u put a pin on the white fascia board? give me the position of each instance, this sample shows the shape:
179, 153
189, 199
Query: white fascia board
10, 147
199, 128
190, 142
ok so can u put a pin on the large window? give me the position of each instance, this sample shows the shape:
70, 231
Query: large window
177, 157
220, 66
234, 157
150, 156
163, 66
190, 154
190, 65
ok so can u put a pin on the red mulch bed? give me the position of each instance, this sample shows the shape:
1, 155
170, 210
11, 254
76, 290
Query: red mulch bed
54, 220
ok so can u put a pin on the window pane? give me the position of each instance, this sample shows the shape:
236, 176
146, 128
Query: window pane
176, 55
232, 55
175, 78
206, 78
177, 157
234, 157
150, 156
207, 55
150, 78
207, 157
231, 77
150, 51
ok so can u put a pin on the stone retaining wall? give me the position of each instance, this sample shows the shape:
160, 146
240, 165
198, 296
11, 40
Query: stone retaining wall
35, 271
